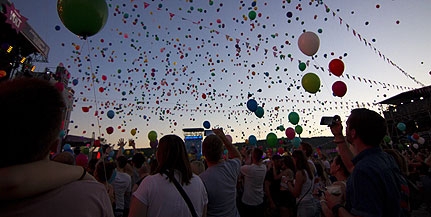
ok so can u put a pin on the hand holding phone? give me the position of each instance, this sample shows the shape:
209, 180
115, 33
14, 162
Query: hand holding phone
329, 121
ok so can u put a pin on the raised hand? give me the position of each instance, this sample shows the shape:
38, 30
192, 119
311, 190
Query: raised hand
132, 143
121, 142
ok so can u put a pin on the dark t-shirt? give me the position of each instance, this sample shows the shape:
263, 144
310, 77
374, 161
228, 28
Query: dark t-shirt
376, 186
274, 188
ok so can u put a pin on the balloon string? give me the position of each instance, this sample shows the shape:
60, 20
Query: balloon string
93, 76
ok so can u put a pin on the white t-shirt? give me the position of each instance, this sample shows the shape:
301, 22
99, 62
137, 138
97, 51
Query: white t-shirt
164, 199
220, 181
254, 176
122, 185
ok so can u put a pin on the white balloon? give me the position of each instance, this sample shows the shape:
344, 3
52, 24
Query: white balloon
308, 43
421, 140
416, 146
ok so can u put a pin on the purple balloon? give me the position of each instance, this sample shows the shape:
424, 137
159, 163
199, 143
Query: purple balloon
154, 143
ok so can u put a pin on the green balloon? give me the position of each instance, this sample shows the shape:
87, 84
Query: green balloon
311, 82
298, 129
293, 118
85, 150
252, 15
271, 139
259, 112
83, 17
152, 136
387, 139
302, 66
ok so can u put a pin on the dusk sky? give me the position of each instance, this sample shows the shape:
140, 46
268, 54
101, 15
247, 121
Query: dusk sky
169, 65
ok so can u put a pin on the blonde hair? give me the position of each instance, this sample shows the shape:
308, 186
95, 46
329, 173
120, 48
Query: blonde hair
197, 167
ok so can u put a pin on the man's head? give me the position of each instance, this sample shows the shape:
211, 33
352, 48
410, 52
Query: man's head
367, 126
138, 160
306, 148
212, 148
257, 155
32, 112
121, 162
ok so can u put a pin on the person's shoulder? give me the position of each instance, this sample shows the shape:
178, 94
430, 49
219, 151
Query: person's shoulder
196, 179
87, 185
245, 166
235, 161
122, 175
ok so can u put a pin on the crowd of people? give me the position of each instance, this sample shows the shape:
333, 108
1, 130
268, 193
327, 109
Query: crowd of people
362, 179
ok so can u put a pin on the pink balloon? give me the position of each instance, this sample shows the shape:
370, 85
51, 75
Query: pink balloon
290, 133
309, 43
81, 160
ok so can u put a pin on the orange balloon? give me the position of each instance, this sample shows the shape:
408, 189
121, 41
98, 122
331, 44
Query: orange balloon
3, 73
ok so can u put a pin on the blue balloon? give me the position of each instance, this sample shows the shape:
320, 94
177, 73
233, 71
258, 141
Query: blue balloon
401, 126
75, 82
66, 147
62, 133
252, 140
110, 114
252, 105
70, 151
207, 124
296, 142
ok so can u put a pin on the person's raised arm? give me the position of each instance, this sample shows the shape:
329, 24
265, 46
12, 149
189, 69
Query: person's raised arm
300, 179
233, 152
37, 177
121, 143
133, 144
343, 148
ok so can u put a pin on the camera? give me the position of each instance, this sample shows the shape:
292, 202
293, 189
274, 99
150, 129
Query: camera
329, 121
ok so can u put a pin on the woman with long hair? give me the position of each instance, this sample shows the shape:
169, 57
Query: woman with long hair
302, 189
341, 173
157, 194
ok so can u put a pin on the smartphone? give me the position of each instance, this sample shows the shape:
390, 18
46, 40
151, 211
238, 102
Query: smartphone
326, 120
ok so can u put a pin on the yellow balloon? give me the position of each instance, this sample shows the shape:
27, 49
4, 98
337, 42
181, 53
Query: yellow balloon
133, 132
311, 82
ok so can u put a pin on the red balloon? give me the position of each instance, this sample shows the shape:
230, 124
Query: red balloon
97, 143
339, 88
85, 109
110, 130
101, 89
290, 133
280, 150
104, 77
415, 136
336, 67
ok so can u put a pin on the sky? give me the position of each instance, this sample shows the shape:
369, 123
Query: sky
167, 65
